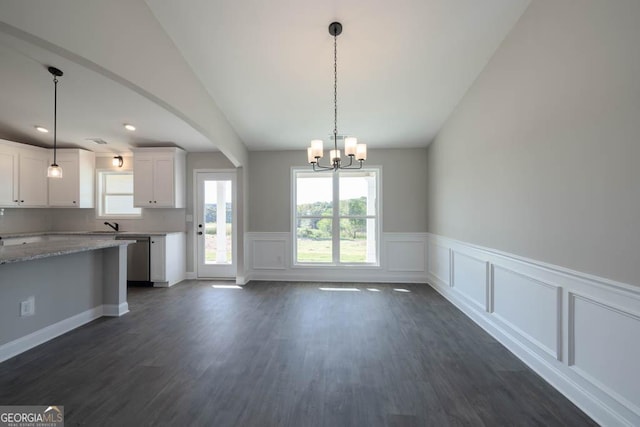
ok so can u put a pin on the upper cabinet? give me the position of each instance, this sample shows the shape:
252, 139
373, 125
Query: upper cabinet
23, 175
76, 187
159, 177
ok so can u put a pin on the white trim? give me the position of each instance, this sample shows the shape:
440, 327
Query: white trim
34, 339
99, 199
269, 266
609, 404
113, 310
233, 173
336, 226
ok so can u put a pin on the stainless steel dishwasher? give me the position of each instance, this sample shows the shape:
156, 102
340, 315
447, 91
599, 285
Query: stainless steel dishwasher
138, 257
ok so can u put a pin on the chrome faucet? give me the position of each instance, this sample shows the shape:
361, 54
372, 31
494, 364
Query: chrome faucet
115, 225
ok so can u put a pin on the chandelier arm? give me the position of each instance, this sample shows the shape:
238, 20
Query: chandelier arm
353, 167
319, 168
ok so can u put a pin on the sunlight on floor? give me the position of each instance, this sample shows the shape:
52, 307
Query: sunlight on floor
336, 289
226, 286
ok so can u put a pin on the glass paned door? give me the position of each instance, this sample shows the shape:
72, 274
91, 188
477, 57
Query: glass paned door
215, 227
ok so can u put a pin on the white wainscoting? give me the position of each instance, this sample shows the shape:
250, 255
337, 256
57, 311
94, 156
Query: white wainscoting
269, 256
579, 332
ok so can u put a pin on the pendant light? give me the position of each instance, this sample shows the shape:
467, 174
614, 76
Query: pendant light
55, 171
351, 147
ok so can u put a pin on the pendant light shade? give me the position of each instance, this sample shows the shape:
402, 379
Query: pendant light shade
55, 171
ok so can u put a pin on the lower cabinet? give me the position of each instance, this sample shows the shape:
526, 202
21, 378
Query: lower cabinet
168, 259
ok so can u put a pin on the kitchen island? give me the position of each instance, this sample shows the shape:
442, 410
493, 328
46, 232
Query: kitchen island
50, 287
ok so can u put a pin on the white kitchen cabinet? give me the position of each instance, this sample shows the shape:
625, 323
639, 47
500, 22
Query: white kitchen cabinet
8, 176
76, 187
23, 175
159, 177
167, 259
32, 182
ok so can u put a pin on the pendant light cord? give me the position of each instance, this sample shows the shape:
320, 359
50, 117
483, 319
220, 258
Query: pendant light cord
335, 91
55, 116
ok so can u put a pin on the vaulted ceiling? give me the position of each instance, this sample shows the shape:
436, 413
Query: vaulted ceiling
266, 68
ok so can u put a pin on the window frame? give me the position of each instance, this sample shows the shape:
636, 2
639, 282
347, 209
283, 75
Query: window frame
335, 218
100, 195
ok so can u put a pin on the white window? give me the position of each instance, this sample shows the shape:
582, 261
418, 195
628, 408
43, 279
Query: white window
115, 195
336, 217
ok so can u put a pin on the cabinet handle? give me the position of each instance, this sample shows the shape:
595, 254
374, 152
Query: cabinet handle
199, 233
15, 201
74, 202
152, 241
21, 201
150, 201
155, 201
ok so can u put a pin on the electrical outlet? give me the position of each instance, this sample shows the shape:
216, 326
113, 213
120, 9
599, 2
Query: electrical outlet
28, 307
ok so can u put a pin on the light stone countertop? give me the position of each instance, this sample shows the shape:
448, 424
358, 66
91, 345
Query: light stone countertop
86, 233
45, 249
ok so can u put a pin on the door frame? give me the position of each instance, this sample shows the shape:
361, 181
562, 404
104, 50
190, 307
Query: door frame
234, 226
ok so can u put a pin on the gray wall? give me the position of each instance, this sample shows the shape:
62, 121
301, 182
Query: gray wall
18, 220
540, 157
76, 286
403, 188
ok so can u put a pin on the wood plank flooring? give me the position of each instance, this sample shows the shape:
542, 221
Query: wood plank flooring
285, 354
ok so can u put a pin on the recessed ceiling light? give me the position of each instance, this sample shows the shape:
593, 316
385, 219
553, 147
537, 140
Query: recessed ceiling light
42, 129
129, 127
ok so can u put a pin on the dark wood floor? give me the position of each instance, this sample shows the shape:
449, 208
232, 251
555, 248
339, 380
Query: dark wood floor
284, 354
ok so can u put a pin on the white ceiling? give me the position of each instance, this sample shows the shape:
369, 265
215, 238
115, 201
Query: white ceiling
89, 106
402, 68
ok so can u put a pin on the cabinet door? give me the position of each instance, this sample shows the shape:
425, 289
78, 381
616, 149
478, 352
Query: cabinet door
65, 191
143, 182
163, 182
8, 177
33, 179
158, 259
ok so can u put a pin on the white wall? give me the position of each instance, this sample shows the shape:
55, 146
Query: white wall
540, 157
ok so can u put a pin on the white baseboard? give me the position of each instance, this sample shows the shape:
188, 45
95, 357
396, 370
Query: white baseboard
579, 332
113, 310
190, 275
34, 339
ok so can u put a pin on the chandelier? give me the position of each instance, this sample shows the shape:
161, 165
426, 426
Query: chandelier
351, 147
